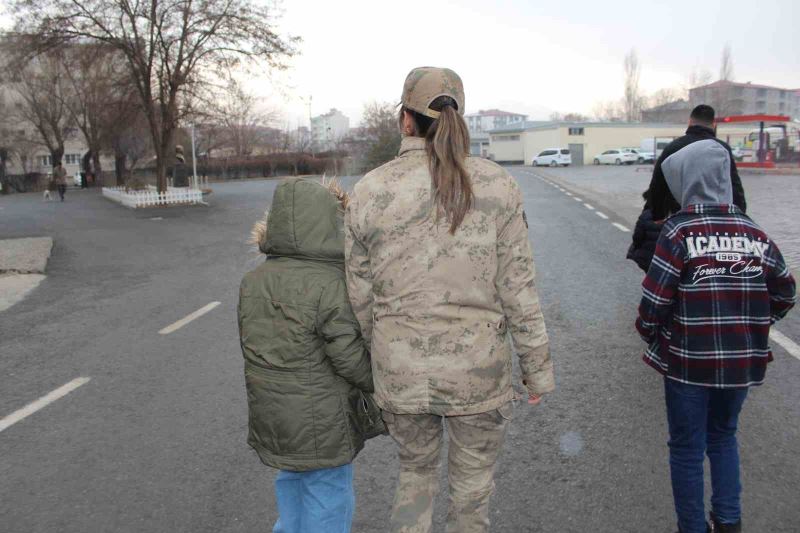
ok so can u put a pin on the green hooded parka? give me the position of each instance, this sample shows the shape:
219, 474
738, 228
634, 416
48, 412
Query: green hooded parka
307, 368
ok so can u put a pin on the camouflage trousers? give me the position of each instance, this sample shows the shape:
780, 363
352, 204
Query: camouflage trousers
475, 444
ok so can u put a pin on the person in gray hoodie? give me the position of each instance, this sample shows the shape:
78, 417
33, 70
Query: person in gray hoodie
716, 284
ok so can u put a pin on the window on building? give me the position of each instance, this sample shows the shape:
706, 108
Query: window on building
761, 93
72, 159
576, 131
45, 161
504, 138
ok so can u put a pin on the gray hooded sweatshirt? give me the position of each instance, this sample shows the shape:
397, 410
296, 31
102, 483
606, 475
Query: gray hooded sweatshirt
699, 173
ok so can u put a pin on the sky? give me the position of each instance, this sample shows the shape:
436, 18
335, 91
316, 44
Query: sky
525, 56
529, 57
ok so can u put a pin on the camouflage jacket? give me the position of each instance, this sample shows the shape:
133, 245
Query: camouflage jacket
436, 307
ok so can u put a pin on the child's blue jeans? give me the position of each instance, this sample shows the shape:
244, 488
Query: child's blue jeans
702, 421
315, 501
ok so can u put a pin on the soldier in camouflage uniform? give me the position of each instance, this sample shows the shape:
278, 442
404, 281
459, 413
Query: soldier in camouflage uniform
436, 290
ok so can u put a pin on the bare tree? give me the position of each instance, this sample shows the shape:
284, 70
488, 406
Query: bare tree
169, 46
129, 140
609, 111
99, 95
568, 117
244, 121
22, 148
286, 139
6, 145
726, 64
301, 140
209, 135
42, 91
658, 109
632, 99
382, 134
697, 77
664, 96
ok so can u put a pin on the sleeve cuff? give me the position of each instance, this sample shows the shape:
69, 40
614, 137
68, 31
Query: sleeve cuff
537, 371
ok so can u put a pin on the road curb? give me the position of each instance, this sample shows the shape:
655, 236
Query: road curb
25, 256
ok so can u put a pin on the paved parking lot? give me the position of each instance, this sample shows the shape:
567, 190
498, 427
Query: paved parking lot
772, 200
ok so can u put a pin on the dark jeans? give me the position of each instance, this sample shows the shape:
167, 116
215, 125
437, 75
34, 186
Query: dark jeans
61, 190
702, 420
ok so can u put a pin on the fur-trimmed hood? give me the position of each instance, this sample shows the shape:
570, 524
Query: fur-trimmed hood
305, 220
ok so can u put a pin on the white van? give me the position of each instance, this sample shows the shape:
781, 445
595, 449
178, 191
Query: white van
553, 157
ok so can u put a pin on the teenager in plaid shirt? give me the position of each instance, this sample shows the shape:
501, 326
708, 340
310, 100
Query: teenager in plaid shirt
715, 286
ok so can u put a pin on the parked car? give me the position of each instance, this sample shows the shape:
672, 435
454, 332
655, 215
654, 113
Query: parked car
617, 156
655, 145
553, 157
642, 156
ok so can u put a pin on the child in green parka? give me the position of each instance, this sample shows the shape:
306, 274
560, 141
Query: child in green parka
307, 368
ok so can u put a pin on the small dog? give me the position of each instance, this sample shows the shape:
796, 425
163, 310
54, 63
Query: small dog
47, 195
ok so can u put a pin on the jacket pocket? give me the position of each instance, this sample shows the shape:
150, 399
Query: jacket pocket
506, 411
280, 411
366, 414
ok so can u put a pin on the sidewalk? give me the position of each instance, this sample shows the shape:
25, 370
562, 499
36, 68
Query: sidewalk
22, 267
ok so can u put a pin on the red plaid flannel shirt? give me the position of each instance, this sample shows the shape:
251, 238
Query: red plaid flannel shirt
715, 286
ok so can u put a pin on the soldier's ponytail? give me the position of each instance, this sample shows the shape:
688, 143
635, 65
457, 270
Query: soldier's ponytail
447, 146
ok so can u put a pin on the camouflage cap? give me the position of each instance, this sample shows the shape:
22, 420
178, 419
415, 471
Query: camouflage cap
425, 84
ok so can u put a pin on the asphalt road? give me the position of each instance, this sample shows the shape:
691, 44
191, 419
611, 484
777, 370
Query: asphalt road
155, 441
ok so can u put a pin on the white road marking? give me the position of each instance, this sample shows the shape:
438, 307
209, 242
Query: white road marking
188, 318
601, 215
588, 206
577, 199
42, 402
620, 227
568, 193
786, 343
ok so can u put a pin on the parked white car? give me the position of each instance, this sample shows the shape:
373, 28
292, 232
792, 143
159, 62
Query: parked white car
642, 156
617, 156
553, 157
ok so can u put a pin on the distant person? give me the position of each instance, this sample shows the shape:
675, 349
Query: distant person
659, 201
439, 269
60, 179
716, 284
86, 165
307, 368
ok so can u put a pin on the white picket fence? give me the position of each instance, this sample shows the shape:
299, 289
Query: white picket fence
151, 197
